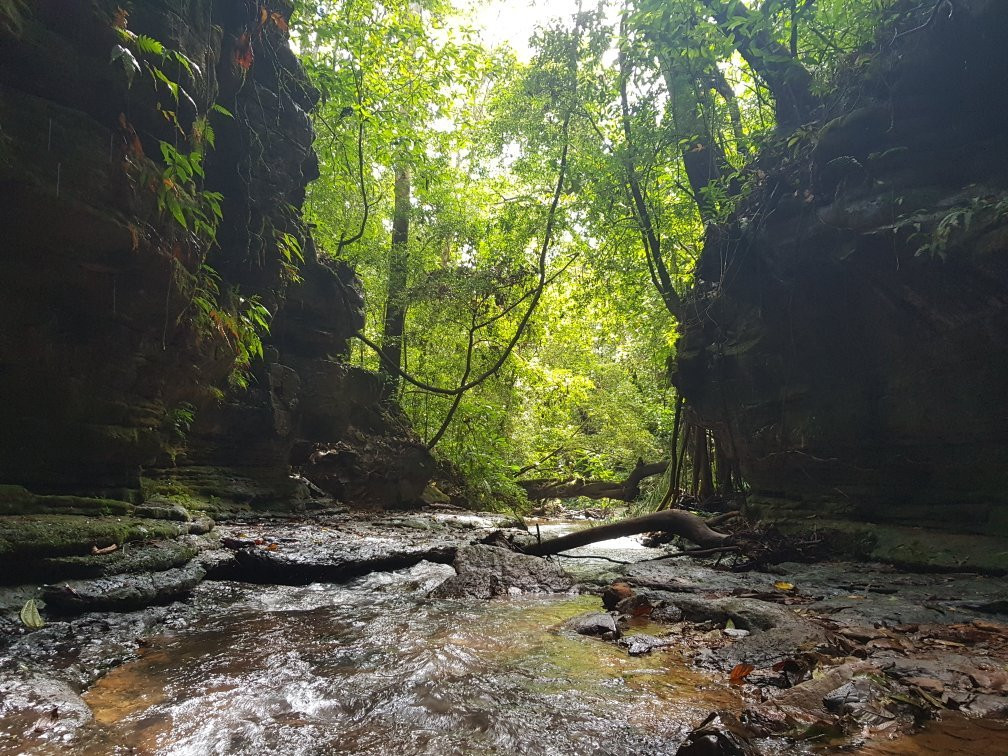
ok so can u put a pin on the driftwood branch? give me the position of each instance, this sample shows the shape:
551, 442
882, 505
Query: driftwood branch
679, 522
625, 490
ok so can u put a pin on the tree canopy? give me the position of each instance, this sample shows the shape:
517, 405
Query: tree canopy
526, 230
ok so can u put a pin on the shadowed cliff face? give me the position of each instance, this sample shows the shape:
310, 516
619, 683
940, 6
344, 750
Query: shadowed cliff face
849, 328
101, 357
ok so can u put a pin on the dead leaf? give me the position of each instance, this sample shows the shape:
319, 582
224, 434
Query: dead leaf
132, 140
926, 683
106, 550
783, 585
30, 616
862, 634
279, 21
990, 627
244, 57
739, 673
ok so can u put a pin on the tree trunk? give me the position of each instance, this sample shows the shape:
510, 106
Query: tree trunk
706, 477
398, 279
679, 522
704, 160
673, 478
626, 490
789, 81
725, 478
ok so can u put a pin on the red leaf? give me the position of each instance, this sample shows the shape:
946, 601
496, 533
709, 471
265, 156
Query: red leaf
243, 55
279, 21
739, 673
130, 135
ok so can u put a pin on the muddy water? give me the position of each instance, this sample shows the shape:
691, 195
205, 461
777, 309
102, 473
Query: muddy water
374, 668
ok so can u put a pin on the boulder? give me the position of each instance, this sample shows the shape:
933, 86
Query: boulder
489, 571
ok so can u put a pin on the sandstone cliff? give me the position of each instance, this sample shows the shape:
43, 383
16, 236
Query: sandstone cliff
117, 340
848, 335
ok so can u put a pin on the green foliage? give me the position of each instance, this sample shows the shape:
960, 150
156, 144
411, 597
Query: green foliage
954, 228
178, 187
628, 101
182, 419
194, 209
240, 321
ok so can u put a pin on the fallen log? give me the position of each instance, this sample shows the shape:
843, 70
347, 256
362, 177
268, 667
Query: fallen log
684, 524
625, 490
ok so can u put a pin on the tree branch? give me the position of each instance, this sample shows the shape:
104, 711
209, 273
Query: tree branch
625, 490
676, 521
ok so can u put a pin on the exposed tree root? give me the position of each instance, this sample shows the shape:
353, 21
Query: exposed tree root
684, 524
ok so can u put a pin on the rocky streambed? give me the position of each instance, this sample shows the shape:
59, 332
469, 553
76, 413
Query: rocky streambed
421, 633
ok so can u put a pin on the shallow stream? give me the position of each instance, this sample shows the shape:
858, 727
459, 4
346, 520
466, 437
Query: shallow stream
375, 667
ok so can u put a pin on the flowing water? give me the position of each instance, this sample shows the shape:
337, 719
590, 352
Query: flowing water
375, 667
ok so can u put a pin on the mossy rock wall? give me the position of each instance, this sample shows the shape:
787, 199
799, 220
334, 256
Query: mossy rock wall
102, 363
852, 347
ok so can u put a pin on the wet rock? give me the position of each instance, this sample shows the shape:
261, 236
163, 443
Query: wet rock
810, 704
201, 526
123, 592
616, 593
667, 614
774, 631
721, 734
593, 623
43, 709
489, 571
640, 643
987, 705
164, 511
849, 697
155, 556
332, 548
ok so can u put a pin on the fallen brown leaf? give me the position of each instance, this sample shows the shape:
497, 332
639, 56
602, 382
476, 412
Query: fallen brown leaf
739, 673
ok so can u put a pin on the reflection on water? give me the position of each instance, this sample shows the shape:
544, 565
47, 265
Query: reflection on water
374, 668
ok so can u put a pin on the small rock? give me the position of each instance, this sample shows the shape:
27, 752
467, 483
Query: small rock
848, 697
638, 645
721, 734
592, 623
237, 543
735, 632
201, 526
616, 593
667, 614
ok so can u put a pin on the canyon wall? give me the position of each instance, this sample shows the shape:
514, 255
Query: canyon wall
848, 332
120, 327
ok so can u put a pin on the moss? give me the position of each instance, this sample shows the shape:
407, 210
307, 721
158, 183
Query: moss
157, 557
36, 536
15, 500
220, 491
909, 548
